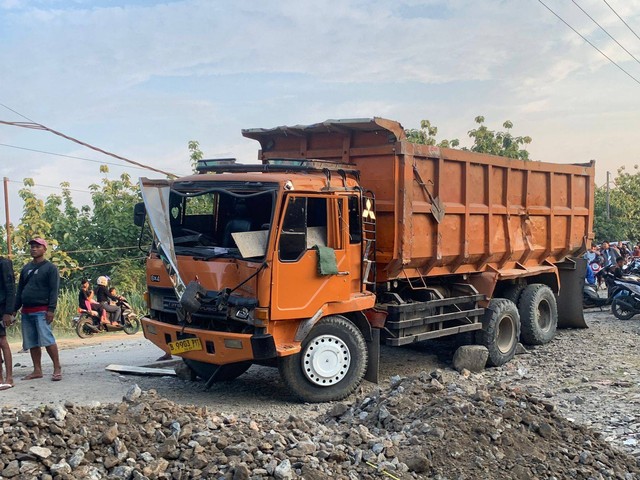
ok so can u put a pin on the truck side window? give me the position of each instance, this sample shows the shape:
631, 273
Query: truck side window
293, 238
355, 224
303, 227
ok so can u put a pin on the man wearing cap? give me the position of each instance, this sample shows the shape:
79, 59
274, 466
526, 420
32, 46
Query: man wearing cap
37, 295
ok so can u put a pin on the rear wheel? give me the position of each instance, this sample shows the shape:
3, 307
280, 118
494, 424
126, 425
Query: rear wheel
331, 363
538, 314
223, 372
513, 292
621, 310
500, 331
85, 327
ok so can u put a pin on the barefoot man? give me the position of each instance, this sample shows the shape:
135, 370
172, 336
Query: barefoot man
7, 300
38, 296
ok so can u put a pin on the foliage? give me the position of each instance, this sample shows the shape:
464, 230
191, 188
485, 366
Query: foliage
426, 135
484, 140
195, 154
90, 241
202, 204
624, 208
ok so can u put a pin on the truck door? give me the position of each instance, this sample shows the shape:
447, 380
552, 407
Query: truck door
298, 289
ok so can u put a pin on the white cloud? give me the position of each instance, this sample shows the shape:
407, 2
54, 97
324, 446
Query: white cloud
141, 79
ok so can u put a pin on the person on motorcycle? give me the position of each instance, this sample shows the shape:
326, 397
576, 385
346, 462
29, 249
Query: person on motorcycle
618, 271
103, 297
86, 300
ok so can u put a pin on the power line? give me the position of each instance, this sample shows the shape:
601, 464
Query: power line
101, 249
17, 113
621, 19
69, 156
51, 186
109, 263
38, 126
602, 28
586, 40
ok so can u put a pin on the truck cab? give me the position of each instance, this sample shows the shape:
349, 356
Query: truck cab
248, 258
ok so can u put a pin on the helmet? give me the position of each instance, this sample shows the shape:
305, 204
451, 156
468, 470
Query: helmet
102, 281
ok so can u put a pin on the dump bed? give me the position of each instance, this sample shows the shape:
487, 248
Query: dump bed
445, 211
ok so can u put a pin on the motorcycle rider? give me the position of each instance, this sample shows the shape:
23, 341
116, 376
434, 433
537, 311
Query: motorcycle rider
618, 271
85, 298
103, 297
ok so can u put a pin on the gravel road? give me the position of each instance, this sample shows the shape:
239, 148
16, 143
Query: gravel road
592, 376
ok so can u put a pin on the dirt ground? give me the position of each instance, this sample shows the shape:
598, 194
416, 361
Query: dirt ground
563, 370
568, 409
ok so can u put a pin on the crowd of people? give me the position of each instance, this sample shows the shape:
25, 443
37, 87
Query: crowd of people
607, 256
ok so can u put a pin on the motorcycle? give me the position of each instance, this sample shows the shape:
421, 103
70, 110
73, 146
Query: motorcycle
626, 302
87, 323
590, 296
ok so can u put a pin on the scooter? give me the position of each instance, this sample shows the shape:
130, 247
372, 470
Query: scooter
626, 302
88, 323
590, 296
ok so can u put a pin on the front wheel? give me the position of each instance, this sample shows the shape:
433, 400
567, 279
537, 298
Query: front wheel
131, 325
500, 331
85, 327
621, 309
331, 363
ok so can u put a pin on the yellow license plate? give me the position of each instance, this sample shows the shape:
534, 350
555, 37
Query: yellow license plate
186, 345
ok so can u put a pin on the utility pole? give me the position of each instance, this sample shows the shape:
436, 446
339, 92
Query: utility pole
608, 205
6, 211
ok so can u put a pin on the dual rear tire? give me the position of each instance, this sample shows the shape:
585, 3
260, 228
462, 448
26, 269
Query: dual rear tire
533, 321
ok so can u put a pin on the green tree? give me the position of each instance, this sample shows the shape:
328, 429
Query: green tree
36, 222
110, 242
195, 154
426, 135
501, 143
624, 208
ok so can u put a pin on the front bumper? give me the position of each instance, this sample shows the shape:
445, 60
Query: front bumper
220, 348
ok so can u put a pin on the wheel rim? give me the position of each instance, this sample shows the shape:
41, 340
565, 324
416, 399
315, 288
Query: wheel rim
544, 316
326, 360
505, 334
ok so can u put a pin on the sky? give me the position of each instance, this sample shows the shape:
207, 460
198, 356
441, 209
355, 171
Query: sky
142, 78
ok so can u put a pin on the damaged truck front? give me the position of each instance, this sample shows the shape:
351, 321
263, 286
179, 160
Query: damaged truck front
347, 236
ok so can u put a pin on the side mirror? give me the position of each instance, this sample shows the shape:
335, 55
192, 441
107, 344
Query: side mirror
139, 214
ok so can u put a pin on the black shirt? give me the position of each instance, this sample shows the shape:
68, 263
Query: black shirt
102, 294
7, 286
38, 286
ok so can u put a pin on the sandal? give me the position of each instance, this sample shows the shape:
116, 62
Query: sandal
56, 377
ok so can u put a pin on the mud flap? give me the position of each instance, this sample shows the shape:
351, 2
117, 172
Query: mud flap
373, 346
570, 312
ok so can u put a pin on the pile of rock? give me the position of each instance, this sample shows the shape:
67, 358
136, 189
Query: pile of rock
435, 425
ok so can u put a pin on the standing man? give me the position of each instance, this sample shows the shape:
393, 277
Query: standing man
609, 254
38, 296
7, 300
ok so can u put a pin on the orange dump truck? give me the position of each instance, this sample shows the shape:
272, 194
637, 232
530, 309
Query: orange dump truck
346, 236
